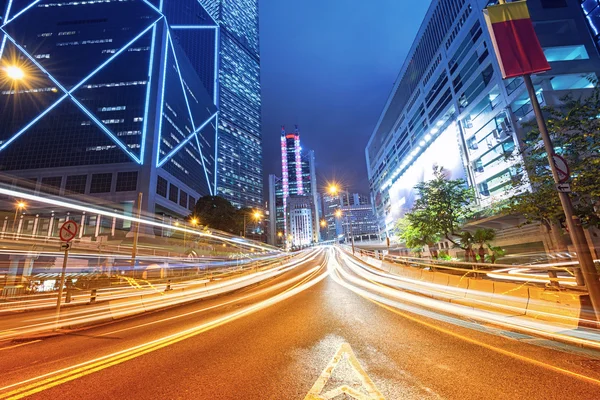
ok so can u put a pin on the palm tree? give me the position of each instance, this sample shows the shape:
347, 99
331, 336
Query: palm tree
483, 236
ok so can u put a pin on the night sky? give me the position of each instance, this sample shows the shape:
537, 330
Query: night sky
329, 66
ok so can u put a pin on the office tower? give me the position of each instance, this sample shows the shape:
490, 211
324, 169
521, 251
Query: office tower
240, 171
110, 99
450, 106
298, 178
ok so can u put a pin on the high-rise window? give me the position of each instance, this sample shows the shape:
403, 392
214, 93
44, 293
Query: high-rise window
127, 181
76, 184
161, 186
101, 183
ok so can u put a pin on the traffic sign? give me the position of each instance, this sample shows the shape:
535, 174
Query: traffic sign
65, 246
563, 187
562, 169
68, 231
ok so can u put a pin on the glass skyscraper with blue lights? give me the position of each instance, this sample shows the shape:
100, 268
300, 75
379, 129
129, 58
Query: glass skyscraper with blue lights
239, 172
115, 98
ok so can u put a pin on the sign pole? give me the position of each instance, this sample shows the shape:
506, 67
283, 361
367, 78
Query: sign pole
136, 233
586, 261
62, 284
67, 232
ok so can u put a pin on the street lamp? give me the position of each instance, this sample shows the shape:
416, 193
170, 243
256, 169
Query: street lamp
14, 72
19, 206
334, 189
256, 215
323, 223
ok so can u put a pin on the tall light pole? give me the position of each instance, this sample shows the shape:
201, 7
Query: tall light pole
333, 189
256, 215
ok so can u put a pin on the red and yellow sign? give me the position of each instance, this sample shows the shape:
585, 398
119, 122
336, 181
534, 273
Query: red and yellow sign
515, 41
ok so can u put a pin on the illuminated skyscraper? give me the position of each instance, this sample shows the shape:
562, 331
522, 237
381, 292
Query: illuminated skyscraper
298, 179
116, 98
240, 178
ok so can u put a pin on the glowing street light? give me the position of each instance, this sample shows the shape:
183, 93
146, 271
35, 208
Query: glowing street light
194, 221
19, 206
333, 189
323, 223
14, 72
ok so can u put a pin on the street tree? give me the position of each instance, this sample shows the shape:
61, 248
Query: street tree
414, 237
575, 131
442, 206
218, 213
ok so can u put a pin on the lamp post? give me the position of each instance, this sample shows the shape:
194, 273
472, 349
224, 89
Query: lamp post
256, 215
333, 189
20, 206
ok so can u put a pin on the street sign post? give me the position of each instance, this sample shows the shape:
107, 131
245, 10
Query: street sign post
562, 168
67, 232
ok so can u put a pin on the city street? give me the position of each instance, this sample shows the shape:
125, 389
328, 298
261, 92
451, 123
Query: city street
274, 341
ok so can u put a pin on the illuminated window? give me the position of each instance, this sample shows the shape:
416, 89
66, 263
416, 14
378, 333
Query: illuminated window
566, 53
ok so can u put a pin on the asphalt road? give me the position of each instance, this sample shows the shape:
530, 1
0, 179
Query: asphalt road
275, 340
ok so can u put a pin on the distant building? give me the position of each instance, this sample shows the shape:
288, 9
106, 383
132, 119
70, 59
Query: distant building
298, 179
363, 220
118, 97
300, 213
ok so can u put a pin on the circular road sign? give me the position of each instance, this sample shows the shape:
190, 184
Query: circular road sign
562, 169
68, 231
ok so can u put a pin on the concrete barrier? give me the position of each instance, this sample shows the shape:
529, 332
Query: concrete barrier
510, 298
515, 298
550, 305
480, 293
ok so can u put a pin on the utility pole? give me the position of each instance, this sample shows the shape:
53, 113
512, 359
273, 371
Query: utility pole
349, 217
586, 261
136, 231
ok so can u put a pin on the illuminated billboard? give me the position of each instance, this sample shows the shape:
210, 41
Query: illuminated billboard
445, 152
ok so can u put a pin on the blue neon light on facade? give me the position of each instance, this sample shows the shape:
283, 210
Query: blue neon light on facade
180, 145
20, 12
105, 129
194, 27
148, 88
153, 7
30, 124
148, 101
203, 164
216, 150
187, 103
69, 93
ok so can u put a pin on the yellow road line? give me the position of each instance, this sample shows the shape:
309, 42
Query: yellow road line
19, 345
120, 357
487, 346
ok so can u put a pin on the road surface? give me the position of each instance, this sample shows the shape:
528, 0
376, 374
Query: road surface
301, 335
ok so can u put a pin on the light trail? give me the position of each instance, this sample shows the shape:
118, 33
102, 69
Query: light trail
375, 288
88, 209
46, 381
134, 302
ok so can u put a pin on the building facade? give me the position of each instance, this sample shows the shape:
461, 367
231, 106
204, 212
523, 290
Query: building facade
358, 221
298, 178
300, 227
451, 108
115, 98
240, 173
